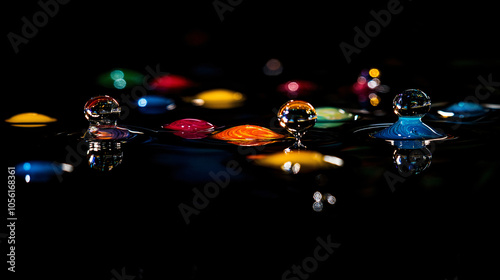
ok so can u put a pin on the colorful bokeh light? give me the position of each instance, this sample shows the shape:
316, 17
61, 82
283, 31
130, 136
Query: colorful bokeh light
171, 82
30, 119
120, 78
219, 99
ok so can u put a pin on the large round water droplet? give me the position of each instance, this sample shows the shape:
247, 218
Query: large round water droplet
297, 116
102, 110
411, 103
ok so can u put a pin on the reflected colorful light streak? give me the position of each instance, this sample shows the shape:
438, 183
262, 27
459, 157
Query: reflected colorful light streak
107, 133
248, 135
190, 125
299, 161
191, 128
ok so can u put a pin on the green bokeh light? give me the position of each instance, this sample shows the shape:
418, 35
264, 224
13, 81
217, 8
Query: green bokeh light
120, 78
120, 83
116, 75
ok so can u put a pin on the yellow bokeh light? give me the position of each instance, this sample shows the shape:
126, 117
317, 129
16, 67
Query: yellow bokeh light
303, 161
374, 73
30, 119
29, 125
374, 99
219, 99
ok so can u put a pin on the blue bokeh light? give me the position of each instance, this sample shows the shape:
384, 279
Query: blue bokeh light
142, 102
27, 166
153, 104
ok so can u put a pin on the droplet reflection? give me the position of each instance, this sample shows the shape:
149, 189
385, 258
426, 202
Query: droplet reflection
104, 155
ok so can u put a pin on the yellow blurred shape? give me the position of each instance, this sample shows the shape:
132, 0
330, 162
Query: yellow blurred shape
30, 119
303, 161
219, 99
374, 99
374, 73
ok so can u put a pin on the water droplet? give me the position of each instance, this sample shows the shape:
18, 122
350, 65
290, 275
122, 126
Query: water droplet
297, 117
102, 110
411, 103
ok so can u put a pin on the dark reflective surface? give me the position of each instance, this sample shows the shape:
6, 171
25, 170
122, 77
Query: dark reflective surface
164, 196
177, 207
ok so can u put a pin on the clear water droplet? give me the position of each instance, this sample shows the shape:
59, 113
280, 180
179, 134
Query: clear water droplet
102, 110
411, 103
297, 117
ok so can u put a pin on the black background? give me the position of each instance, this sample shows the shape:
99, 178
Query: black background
84, 38
89, 226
